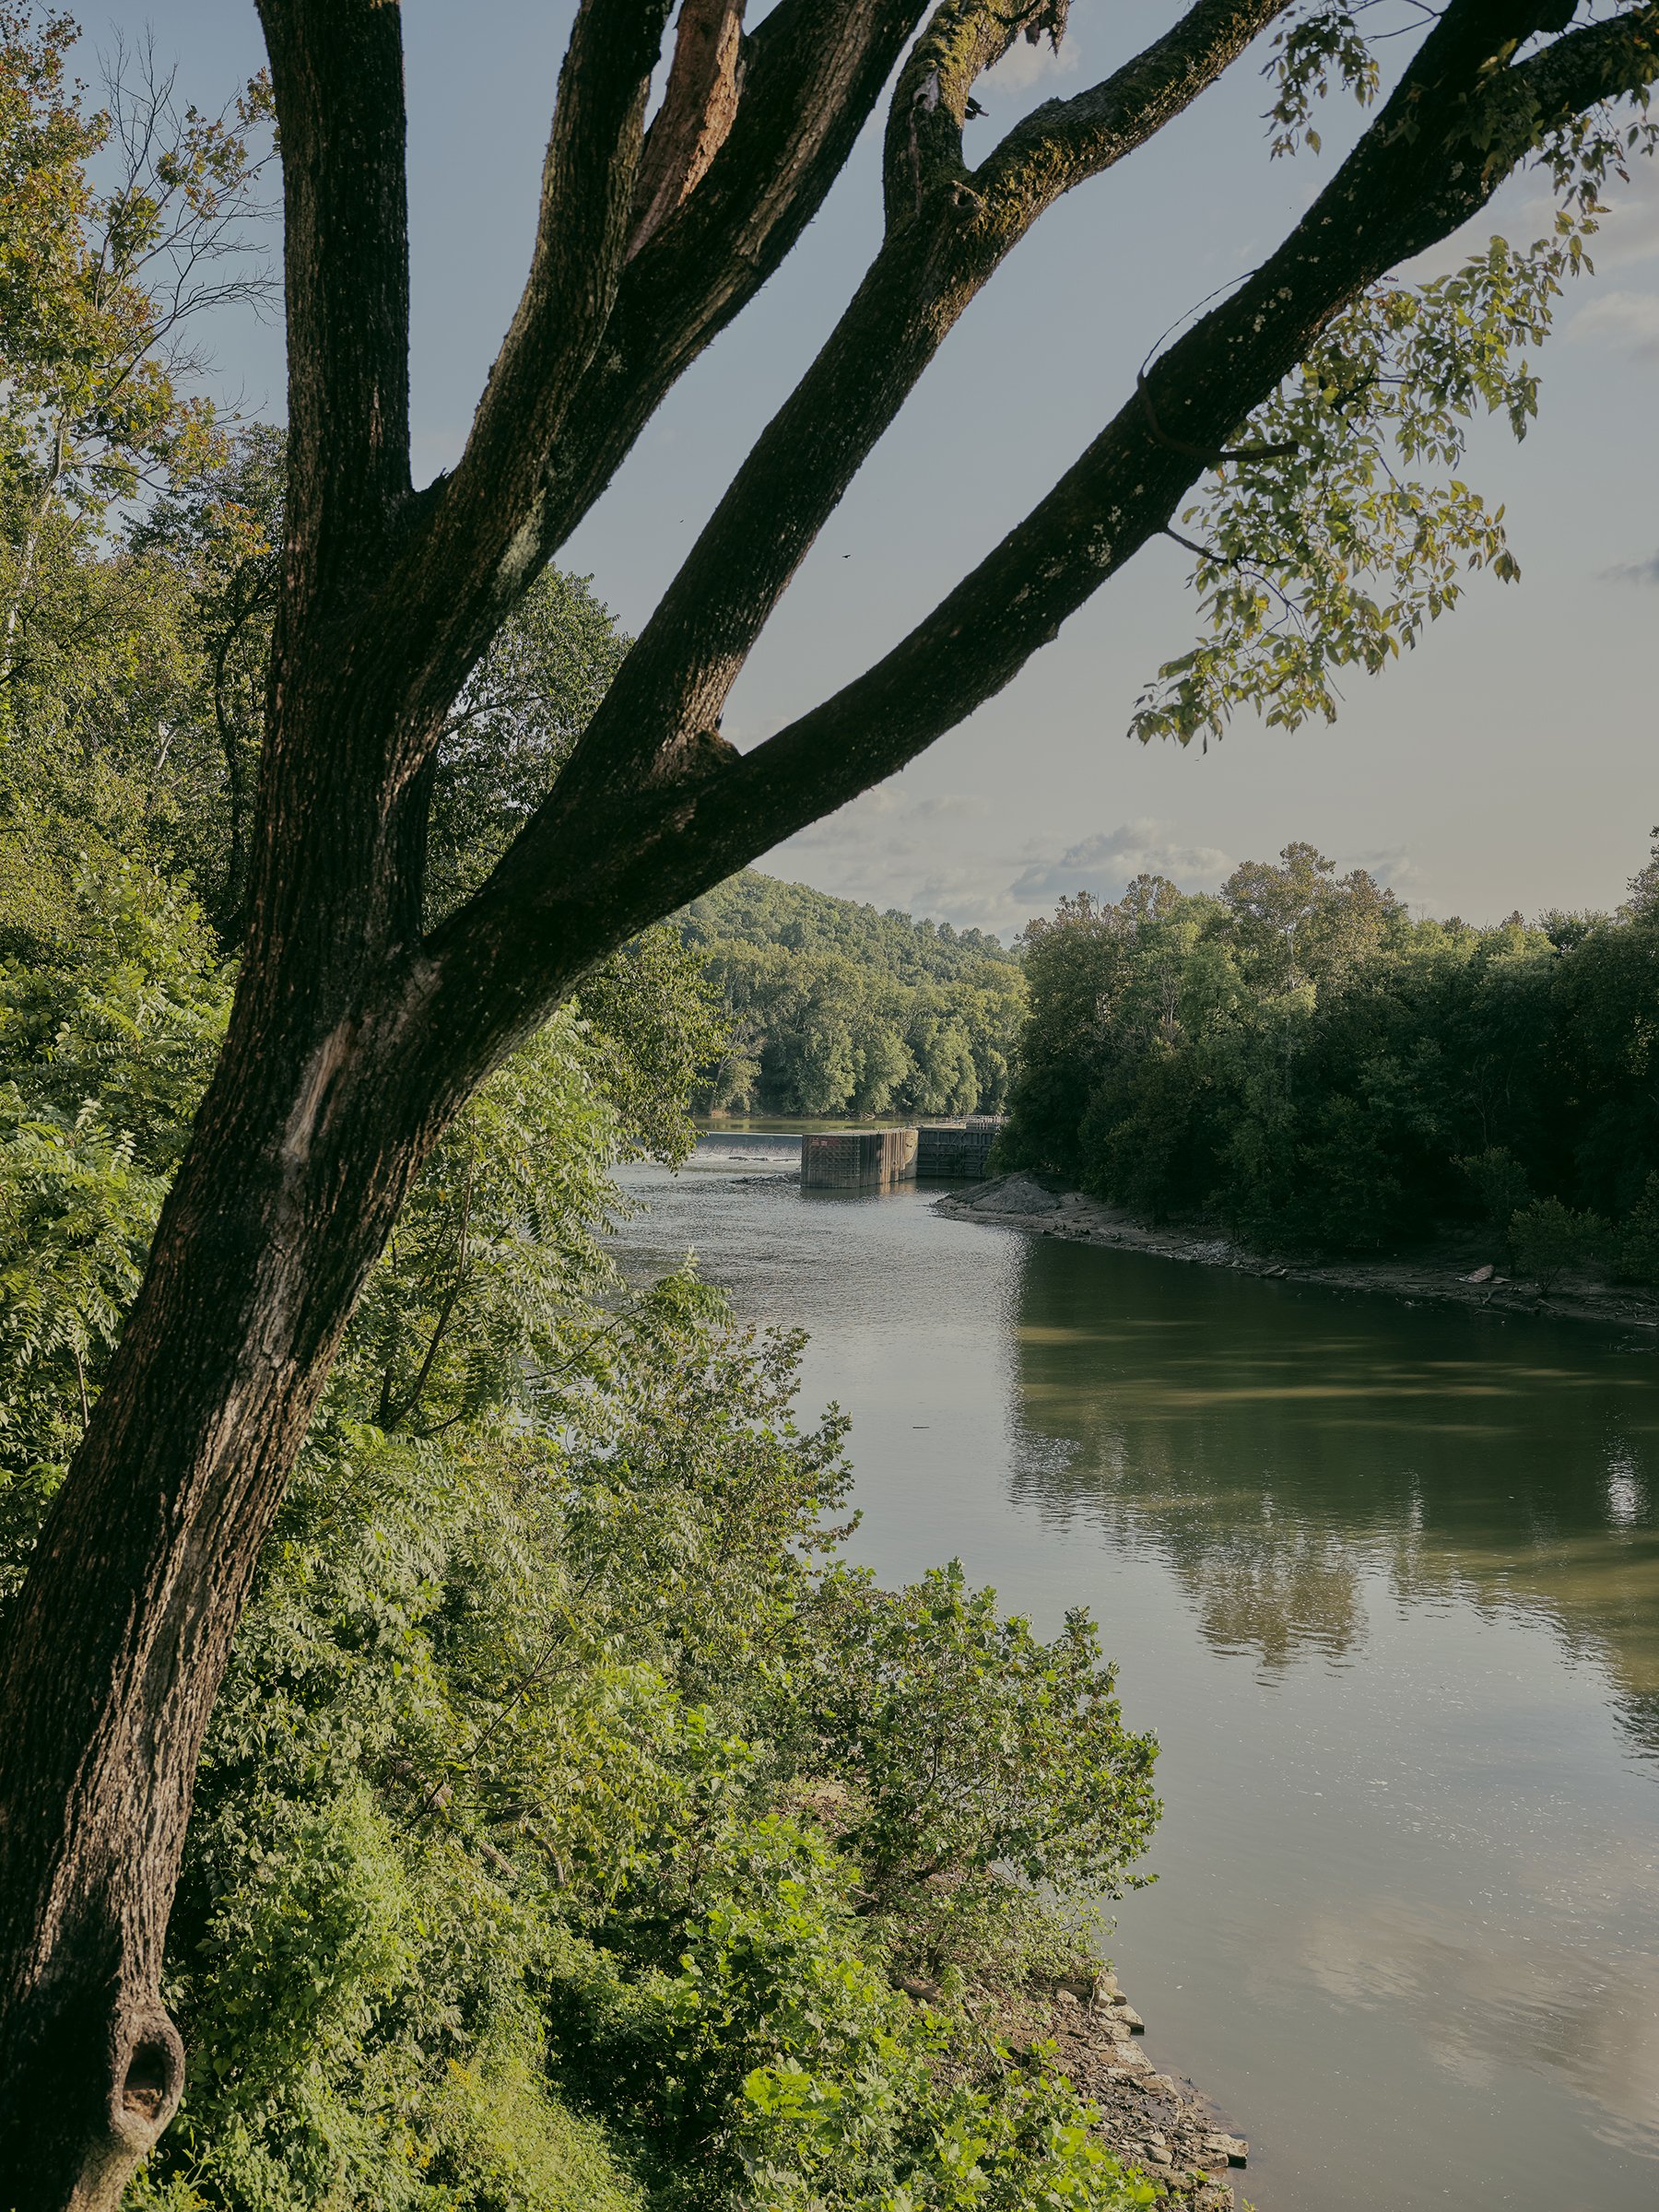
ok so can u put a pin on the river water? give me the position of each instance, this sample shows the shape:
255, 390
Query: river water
1385, 1582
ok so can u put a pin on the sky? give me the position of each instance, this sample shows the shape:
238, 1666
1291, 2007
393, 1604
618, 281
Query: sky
1508, 764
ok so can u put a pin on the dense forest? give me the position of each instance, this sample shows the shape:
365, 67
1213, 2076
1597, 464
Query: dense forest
570, 1815
834, 1008
1300, 1058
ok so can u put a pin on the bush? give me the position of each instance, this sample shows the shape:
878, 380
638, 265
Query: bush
981, 1763
1548, 1237
1636, 1251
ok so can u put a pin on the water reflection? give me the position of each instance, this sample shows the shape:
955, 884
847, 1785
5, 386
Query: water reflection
1276, 1447
1483, 2009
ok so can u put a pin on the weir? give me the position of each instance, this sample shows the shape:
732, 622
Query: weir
864, 1160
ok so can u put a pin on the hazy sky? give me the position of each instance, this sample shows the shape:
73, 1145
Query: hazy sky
1509, 762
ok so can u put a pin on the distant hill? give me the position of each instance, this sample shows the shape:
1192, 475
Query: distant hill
834, 1008
753, 909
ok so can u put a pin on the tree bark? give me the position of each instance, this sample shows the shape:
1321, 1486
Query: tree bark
354, 1040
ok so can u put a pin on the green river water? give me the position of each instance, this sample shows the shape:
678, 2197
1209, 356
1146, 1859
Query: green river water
1385, 1582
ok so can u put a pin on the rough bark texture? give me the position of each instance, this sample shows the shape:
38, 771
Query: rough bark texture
354, 1040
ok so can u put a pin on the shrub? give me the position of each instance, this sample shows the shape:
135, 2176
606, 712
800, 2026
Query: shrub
1548, 1237
981, 1764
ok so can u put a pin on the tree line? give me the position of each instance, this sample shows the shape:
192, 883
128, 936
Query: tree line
1300, 1058
831, 1008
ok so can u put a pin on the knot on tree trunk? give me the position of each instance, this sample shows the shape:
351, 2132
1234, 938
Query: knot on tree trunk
77, 2120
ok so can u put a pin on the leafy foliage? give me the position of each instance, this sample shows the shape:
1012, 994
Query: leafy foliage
559, 1829
1301, 1057
753, 909
833, 1008
1334, 552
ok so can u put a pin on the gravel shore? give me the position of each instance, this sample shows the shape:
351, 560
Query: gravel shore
1462, 1274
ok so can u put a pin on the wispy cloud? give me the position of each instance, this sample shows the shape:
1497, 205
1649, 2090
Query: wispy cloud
1633, 571
937, 855
1027, 63
1628, 321
1105, 863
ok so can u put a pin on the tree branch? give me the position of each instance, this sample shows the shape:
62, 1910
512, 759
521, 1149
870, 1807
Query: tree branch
540, 452
604, 856
695, 118
811, 73
337, 72
581, 238
675, 679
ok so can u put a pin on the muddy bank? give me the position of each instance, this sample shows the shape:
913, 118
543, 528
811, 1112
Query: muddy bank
1466, 1272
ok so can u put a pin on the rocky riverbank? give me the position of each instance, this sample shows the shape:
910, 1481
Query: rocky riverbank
1155, 2121
1464, 1273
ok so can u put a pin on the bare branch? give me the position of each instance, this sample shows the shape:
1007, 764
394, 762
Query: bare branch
581, 239
811, 73
537, 456
696, 113
929, 268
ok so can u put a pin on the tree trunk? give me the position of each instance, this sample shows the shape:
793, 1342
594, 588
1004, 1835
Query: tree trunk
261, 1249
325, 1102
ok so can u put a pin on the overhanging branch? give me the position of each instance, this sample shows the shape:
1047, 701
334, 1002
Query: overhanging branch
600, 859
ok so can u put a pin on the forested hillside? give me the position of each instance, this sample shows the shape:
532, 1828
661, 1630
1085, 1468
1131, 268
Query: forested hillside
1298, 1058
834, 1008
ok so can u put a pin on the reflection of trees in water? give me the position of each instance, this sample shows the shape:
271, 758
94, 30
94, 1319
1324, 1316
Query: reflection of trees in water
1279, 1447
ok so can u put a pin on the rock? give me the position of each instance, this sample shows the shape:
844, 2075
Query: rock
1015, 1194
1127, 2013
1481, 1274
1233, 2148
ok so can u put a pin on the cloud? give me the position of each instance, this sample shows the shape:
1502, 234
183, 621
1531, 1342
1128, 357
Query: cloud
1105, 863
1626, 234
1633, 571
1392, 865
1629, 230
1629, 321
931, 855
888, 848
1025, 64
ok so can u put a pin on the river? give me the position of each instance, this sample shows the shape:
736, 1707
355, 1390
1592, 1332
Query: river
1385, 1582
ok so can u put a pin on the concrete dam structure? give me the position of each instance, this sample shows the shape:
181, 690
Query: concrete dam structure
869, 1160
